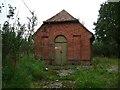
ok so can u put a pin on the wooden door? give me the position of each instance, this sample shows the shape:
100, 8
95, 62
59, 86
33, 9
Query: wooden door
60, 50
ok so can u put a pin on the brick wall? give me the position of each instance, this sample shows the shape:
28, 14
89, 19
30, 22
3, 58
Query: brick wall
78, 41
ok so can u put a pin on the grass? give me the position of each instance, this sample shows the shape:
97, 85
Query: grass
30, 73
26, 71
98, 76
95, 76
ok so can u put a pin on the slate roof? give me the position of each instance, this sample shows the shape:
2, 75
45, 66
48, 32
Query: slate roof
62, 16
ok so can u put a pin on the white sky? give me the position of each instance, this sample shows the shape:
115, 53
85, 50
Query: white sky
85, 10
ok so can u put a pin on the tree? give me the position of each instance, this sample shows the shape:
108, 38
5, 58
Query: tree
8, 35
1, 6
107, 27
14, 45
32, 22
17, 40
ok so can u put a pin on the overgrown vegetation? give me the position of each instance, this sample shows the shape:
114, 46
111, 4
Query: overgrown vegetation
99, 75
103, 73
27, 71
107, 30
17, 45
22, 70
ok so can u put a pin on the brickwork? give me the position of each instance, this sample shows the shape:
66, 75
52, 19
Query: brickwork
77, 36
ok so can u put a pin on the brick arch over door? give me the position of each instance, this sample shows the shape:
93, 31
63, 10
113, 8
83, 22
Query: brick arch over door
60, 50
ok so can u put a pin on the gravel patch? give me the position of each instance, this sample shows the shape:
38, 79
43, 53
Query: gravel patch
113, 69
54, 85
59, 84
65, 72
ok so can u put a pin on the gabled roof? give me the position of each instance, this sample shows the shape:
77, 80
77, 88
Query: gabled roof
62, 16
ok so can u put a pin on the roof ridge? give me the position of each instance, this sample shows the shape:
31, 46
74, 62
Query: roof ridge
68, 13
62, 16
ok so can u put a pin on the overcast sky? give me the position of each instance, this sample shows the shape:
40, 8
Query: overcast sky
84, 10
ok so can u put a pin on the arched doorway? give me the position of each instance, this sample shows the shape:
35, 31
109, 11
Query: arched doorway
60, 50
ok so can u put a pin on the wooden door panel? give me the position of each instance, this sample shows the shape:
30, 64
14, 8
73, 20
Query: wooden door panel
60, 50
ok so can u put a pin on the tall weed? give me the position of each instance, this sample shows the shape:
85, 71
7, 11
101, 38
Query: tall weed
26, 71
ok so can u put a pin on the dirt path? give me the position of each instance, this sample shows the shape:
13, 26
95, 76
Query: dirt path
60, 72
65, 72
61, 83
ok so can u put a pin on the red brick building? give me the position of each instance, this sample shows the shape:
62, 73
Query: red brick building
62, 39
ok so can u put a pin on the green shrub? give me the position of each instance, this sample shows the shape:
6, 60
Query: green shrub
37, 70
7, 72
27, 69
7, 75
22, 77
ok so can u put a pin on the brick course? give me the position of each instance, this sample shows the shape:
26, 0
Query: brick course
77, 36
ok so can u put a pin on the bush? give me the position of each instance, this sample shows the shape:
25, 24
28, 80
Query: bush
21, 77
109, 49
37, 70
7, 72
26, 70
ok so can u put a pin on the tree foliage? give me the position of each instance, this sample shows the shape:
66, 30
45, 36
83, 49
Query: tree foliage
17, 46
17, 40
107, 28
